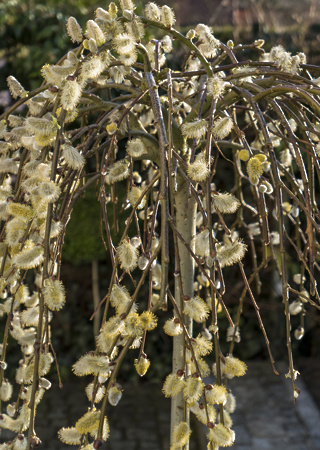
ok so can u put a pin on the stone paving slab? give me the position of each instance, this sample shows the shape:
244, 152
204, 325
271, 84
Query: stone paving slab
265, 417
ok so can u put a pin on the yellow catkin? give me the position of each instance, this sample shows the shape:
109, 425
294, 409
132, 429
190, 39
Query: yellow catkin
216, 394
24, 212
88, 422
173, 384
192, 389
244, 155
180, 435
197, 309
221, 436
234, 367
148, 320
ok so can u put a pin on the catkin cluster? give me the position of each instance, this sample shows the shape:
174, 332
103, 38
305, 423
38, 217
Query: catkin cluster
208, 166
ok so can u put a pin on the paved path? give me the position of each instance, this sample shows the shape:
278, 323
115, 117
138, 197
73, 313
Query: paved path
265, 418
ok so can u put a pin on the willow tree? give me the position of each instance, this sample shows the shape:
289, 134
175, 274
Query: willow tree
218, 161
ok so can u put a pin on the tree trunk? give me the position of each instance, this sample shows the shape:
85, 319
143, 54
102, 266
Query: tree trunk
95, 295
186, 224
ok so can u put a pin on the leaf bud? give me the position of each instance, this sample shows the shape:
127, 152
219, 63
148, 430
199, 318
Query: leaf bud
113, 9
142, 365
115, 394
191, 34
35, 441
299, 333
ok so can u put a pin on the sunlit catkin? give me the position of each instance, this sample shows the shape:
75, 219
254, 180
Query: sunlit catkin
201, 411
54, 294
119, 171
74, 30
148, 320
135, 148
49, 191
133, 196
193, 389
230, 254
216, 394
199, 169
29, 258
225, 203
128, 256
152, 11
167, 17
71, 94
196, 309
201, 243
172, 327
72, 157
231, 403
69, 436
42, 126
119, 298
221, 435
88, 422
195, 129
181, 434
6, 390
91, 69
44, 367
234, 367
91, 364
215, 86
24, 212
95, 393
255, 167
95, 32
173, 384
222, 127
15, 88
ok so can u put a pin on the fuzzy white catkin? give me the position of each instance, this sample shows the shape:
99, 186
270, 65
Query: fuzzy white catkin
54, 294
72, 157
15, 87
95, 32
128, 256
74, 30
199, 170
152, 11
71, 94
